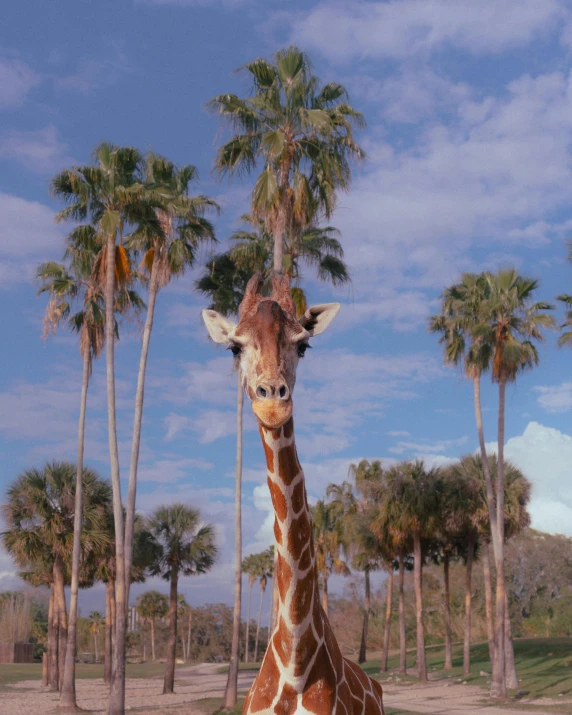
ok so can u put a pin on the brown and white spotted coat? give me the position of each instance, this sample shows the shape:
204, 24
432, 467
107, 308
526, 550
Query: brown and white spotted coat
303, 670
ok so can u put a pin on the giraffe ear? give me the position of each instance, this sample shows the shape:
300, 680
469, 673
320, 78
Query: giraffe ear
219, 327
317, 318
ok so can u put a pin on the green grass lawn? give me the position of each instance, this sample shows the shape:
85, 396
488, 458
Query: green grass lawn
544, 665
13, 673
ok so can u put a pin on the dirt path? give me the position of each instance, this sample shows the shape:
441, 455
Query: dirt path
203, 681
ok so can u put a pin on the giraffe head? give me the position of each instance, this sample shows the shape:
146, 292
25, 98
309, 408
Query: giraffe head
267, 344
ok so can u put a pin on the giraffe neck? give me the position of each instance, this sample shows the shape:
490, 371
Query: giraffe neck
299, 626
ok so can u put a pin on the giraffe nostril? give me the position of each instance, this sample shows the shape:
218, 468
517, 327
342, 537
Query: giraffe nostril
283, 391
260, 391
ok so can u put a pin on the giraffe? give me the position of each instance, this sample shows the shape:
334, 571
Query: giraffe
303, 670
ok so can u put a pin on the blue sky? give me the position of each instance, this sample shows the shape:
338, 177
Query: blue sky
469, 110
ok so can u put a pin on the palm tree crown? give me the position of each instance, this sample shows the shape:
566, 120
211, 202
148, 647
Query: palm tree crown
302, 134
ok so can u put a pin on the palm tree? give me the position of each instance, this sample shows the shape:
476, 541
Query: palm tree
248, 567
183, 612
263, 565
409, 511
516, 518
566, 337
510, 323
39, 515
183, 546
313, 246
329, 540
65, 285
493, 314
301, 132
167, 253
105, 570
152, 605
95, 619
368, 552
112, 194
459, 534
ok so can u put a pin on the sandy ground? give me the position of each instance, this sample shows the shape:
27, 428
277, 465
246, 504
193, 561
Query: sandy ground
198, 682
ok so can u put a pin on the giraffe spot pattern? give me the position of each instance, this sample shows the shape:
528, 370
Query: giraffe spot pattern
282, 641
278, 500
299, 535
266, 684
298, 498
287, 702
277, 532
320, 688
288, 465
302, 598
326, 684
284, 576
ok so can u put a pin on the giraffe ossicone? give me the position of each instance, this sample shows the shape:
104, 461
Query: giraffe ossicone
303, 670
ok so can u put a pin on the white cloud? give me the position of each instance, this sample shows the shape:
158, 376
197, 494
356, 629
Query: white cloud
91, 74
28, 235
402, 28
171, 470
544, 454
16, 80
40, 151
415, 94
494, 175
421, 448
555, 398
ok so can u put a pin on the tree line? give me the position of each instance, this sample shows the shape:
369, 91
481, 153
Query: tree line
39, 513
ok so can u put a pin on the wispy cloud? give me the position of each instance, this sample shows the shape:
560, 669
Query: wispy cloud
40, 151
402, 28
16, 81
555, 398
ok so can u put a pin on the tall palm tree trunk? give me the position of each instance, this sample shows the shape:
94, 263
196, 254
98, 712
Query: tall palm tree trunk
116, 704
258, 624
387, 624
53, 674
498, 684
367, 607
60, 609
498, 687
231, 691
402, 634
448, 638
468, 598
489, 602
169, 682
246, 638
511, 674
68, 698
418, 578
137, 421
189, 623
153, 640
96, 646
109, 595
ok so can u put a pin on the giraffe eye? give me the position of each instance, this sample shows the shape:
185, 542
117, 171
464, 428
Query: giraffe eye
235, 349
302, 347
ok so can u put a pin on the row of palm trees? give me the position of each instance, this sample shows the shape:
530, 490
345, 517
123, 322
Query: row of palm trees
492, 322
134, 209
405, 516
39, 513
258, 567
